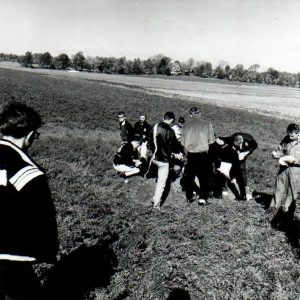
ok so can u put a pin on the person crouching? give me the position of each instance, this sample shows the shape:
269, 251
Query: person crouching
126, 160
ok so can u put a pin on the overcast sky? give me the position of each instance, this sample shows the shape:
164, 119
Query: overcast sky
264, 32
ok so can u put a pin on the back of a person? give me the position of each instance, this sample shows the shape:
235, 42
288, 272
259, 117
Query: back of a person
195, 135
163, 140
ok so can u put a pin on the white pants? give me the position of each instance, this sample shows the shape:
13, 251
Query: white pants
162, 176
143, 150
126, 170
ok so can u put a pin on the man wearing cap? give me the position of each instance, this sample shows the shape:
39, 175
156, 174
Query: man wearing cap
126, 130
164, 146
196, 136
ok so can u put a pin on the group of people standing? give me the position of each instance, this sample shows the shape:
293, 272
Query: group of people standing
188, 149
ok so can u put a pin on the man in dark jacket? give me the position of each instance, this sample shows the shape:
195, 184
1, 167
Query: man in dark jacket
246, 149
28, 230
126, 160
126, 129
142, 127
230, 170
164, 146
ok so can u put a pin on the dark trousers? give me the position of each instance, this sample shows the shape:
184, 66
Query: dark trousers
244, 171
198, 165
238, 191
18, 281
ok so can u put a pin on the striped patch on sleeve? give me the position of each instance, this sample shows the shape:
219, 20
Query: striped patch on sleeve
25, 175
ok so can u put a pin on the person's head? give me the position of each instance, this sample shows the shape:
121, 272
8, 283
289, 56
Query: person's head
238, 140
136, 141
293, 131
121, 116
20, 122
169, 117
181, 121
195, 111
142, 118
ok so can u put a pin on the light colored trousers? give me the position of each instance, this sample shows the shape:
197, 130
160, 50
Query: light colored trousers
287, 190
162, 176
126, 170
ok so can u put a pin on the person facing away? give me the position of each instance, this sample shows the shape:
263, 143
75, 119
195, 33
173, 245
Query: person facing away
28, 229
126, 159
230, 170
246, 148
164, 146
126, 129
196, 136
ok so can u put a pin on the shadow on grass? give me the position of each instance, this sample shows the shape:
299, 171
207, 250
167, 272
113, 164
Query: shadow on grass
79, 272
282, 221
263, 198
179, 294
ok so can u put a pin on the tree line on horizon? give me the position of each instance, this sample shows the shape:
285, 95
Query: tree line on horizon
155, 65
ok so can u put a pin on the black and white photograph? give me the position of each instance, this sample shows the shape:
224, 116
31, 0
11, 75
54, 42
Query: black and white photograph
149, 149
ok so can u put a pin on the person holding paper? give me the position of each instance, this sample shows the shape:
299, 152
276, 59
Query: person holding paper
229, 170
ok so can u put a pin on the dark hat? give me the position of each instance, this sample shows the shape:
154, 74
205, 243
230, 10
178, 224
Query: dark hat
194, 110
169, 115
121, 114
181, 120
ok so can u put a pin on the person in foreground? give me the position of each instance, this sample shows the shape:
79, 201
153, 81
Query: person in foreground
28, 229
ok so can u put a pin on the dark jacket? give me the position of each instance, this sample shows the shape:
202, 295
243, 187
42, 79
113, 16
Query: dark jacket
249, 144
164, 143
126, 131
229, 154
125, 155
27, 214
143, 129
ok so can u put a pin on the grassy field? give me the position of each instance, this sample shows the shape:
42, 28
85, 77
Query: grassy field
264, 99
226, 250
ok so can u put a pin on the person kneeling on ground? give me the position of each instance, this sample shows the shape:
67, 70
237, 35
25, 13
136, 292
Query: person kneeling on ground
230, 170
126, 160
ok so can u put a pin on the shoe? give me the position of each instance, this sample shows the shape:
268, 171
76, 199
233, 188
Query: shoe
190, 200
224, 195
202, 202
217, 196
156, 207
249, 197
241, 199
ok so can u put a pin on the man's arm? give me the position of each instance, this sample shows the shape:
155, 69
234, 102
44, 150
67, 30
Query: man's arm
41, 216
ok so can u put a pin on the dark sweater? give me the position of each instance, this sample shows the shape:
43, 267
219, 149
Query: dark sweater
27, 214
